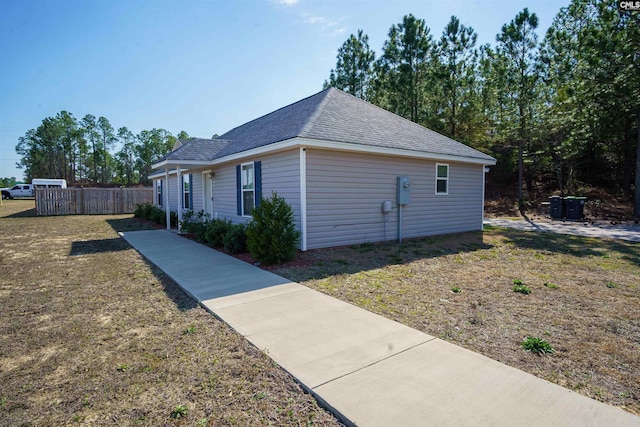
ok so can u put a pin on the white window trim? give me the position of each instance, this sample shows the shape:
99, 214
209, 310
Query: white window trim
186, 195
439, 178
242, 190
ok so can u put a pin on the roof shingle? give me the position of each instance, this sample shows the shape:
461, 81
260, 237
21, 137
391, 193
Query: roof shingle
330, 115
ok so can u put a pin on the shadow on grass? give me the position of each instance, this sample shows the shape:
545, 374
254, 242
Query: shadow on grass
322, 263
129, 224
571, 245
177, 295
88, 247
18, 208
29, 213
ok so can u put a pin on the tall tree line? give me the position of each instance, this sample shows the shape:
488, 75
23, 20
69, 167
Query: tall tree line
82, 151
559, 111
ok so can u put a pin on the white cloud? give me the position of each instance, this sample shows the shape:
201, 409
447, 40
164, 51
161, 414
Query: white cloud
326, 26
339, 32
315, 20
285, 2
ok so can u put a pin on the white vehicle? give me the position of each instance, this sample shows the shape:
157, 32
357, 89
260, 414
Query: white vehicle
18, 190
49, 183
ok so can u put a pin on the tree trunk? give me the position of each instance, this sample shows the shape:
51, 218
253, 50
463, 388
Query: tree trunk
636, 209
627, 170
520, 201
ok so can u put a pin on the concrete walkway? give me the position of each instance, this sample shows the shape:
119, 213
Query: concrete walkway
367, 369
630, 232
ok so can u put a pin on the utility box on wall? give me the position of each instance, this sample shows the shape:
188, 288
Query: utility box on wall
404, 190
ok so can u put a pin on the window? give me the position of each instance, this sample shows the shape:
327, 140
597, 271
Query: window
248, 189
159, 192
186, 191
442, 178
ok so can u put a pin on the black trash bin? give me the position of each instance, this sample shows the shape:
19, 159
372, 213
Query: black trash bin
555, 207
570, 208
574, 207
580, 201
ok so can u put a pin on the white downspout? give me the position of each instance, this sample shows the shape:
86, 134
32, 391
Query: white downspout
485, 170
204, 176
303, 198
180, 196
167, 210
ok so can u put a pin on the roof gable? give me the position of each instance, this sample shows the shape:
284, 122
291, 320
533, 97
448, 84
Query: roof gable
197, 149
345, 118
333, 116
285, 123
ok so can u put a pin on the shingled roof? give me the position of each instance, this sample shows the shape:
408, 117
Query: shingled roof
197, 149
331, 115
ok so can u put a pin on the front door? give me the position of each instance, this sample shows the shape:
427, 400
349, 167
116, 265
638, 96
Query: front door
208, 193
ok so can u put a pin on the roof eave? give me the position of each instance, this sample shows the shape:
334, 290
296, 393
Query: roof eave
327, 145
163, 164
397, 152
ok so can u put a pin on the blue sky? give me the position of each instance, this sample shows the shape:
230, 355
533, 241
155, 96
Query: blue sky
203, 66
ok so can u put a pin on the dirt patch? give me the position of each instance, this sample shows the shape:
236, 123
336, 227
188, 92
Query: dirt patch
584, 300
92, 334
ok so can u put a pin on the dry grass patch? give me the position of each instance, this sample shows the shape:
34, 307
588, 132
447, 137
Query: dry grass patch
92, 334
461, 288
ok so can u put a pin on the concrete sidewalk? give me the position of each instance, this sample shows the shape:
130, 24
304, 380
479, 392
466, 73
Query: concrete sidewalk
629, 232
367, 369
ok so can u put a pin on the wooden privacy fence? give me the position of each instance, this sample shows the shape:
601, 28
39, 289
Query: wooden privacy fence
90, 201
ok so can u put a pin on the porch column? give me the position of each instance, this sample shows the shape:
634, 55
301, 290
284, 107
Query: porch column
485, 171
180, 195
303, 199
167, 211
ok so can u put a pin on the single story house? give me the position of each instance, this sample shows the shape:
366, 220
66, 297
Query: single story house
351, 171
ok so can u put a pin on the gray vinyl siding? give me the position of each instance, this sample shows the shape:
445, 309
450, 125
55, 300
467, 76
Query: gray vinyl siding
280, 174
345, 192
224, 193
174, 192
196, 188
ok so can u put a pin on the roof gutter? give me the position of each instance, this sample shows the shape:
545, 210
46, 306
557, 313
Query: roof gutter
370, 149
168, 162
298, 142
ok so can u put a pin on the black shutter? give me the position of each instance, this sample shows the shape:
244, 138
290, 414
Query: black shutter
239, 190
257, 173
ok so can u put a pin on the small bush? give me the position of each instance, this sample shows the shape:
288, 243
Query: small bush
141, 210
158, 216
155, 214
537, 345
196, 224
551, 285
187, 218
173, 217
271, 235
518, 282
144, 210
215, 232
235, 241
611, 285
522, 289
456, 290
